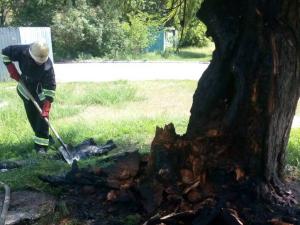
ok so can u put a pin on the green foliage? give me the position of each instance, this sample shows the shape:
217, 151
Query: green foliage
113, 39
5, 9
293, 153
78, 30
195, 35
182, 15
84, 31
35, 12
168, 53
107, 28
138, 35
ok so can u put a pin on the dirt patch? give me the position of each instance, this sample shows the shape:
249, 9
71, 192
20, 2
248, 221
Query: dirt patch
28, 206
119, 195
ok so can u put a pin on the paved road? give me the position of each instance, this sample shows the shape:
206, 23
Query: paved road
109, 71
296, 122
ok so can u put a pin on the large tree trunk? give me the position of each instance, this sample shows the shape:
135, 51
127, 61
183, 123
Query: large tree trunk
245, 102
250, 91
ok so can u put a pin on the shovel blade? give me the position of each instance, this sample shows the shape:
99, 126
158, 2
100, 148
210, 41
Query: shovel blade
65, 151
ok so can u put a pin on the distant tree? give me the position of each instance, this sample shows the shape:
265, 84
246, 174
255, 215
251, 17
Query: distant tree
5, 9
195, 35
78, 30
36, 12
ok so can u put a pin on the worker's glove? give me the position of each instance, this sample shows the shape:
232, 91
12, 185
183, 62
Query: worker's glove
46, 108
13, 72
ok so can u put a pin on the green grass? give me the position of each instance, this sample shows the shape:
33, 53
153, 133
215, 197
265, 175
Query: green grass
203, 54
187, 54
298, 109
293, 156
92, 94
71, 100
127, 112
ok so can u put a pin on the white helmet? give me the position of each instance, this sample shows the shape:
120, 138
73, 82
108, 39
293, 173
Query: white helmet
39, 51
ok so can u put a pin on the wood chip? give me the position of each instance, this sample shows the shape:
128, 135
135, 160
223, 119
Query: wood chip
195, 185
112, 195
240, 173
231, 217
187, 176
177, 216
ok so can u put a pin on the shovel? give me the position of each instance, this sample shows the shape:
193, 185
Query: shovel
64, 149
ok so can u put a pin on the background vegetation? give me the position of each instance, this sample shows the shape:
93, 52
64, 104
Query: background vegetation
110, 29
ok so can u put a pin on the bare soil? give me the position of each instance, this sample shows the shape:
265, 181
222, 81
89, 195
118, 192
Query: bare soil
121, 194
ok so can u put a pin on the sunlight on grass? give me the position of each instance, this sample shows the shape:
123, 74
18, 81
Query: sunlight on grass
298, 109
203, 54
293, 156
128, 114
125, 111
110, 93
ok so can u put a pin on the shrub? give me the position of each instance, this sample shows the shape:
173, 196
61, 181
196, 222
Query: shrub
195, 35
77, 30
113, 39
137, 33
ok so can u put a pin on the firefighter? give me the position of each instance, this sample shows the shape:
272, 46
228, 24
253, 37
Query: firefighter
38, 76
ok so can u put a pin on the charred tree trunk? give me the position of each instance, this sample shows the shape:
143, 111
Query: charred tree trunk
245, 102
250, 91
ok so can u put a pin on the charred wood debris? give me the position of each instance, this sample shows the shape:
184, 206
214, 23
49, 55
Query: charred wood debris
144, 185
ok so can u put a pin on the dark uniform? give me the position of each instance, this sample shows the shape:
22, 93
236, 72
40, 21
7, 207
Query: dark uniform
40, 81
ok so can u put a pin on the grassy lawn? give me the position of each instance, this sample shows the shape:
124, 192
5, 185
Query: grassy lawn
203, 54
127, 112
186, 54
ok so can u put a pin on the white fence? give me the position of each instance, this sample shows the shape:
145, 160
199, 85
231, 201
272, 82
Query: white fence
22, 35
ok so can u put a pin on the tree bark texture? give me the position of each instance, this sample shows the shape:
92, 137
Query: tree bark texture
245, 101
250, 91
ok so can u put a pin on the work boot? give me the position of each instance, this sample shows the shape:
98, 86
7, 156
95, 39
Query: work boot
40, 149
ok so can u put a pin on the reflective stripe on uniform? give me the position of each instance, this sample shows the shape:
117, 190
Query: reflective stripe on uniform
22, 91
41, 141
49, 93
46, 93
42, 96
5, 59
